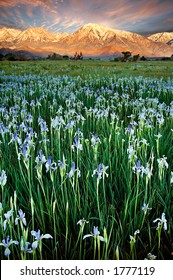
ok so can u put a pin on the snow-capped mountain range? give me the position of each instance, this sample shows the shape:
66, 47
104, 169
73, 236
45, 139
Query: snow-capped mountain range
164, 37
91, 39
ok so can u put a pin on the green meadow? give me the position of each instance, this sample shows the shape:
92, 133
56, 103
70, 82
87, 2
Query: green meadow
86, 160
154, 69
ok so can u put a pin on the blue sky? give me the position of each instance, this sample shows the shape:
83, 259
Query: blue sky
140, 16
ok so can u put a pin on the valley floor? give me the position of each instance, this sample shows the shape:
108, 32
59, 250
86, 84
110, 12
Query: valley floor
154, 69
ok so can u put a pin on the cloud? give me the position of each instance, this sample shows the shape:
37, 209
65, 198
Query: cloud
132, 15
26, 13
125, 14
15, 3
55, 22
169, 20
47, 5
142, 10
71, 22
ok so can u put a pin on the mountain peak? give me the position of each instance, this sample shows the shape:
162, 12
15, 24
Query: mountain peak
163, 37
8, 34
36, 34
37, 29
95, 33
92, 25
95, 26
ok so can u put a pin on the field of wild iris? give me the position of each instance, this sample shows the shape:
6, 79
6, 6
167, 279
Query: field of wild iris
86, 167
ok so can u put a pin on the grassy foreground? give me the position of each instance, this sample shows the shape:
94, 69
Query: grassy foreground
154, 69
86, 169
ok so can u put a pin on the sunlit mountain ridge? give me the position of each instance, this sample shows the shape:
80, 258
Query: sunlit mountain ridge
91, 39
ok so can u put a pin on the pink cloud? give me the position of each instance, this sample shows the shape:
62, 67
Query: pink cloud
48, 4
141, 10
169, 20
71, 14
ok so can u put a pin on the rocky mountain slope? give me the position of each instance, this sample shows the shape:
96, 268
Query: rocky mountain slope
91, 39
164, 37
8, 34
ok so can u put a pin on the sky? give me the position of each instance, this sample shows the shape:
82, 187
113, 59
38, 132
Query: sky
139, 16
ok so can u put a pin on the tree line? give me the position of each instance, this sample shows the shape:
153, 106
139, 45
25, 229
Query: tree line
55, 56
127, 57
